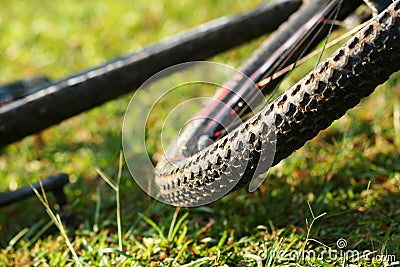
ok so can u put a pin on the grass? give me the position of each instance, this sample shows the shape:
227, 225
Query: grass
344, 184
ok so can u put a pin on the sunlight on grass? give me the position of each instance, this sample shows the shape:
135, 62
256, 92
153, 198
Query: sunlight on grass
350, 173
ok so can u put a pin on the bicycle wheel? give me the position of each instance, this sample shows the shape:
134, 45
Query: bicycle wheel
311, 105
239, 95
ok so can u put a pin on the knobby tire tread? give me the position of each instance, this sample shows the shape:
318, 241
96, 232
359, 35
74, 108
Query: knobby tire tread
298, 115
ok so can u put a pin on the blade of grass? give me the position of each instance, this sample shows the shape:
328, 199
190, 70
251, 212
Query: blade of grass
179, 241
221, 242
106, 179
97, 211
17, 237
172, 226
310, 226
116, 186
119, 227
57, 221
199, 262
182, 250
41, 232
154, 225
177, 226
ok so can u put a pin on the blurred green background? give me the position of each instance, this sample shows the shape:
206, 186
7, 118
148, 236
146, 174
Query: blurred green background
351, 171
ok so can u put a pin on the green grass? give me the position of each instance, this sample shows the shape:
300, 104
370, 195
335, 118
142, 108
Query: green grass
349, 174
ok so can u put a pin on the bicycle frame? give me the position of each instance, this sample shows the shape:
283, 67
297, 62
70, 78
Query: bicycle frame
62, 99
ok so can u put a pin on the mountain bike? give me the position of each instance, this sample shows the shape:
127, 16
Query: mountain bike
30, 105
219, 153
213, 160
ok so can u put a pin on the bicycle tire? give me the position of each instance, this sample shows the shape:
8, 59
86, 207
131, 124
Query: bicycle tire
267, 52
298, 115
